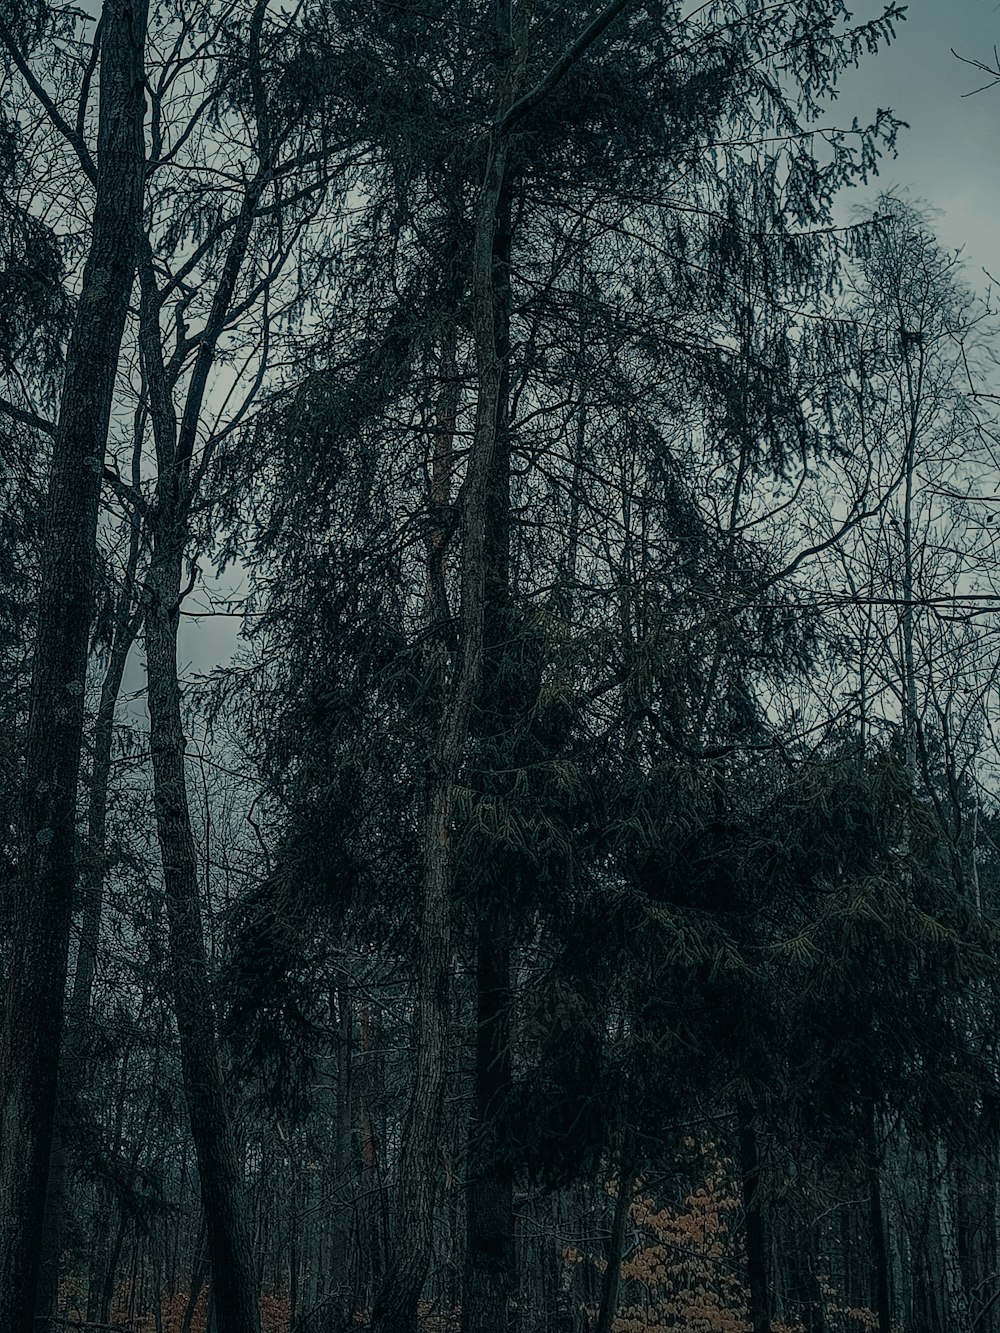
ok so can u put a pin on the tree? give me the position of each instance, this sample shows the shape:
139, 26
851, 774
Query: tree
538, 175
32, 1020
237, 264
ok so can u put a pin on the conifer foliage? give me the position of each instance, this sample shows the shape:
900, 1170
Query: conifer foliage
573, 905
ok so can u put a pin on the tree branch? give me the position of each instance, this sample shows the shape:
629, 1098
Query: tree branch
126, 493
51, 110
26, 417
526, 104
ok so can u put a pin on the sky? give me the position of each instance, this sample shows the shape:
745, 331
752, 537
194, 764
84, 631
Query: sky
949, 157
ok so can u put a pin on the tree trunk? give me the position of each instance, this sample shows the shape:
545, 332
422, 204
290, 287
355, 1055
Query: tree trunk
233, 1292
234, 1285
370, 1229
73, 1059
814, 1306
616, 1248
43, 896
489, 1301
104, 1265
396, 1304
756, 1234
490, 1288
343, 1167
955, 1298
880, 1247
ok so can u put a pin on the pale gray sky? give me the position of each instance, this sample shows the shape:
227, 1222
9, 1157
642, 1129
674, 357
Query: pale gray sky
950, 155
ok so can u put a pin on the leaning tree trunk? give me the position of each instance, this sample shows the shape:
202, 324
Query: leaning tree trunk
233, 1293
43, 895
234, 1283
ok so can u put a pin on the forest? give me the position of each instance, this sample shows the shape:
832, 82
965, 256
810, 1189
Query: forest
499, 677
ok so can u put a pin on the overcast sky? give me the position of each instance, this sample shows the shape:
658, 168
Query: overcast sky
950, 155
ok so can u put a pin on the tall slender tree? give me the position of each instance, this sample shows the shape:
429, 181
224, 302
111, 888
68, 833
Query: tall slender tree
43, 905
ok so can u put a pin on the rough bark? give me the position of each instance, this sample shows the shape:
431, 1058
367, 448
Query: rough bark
880, 1246
756, 1234
72, 1061
43, 903
396, 1304
611, 1281
489, 1300
234, 1282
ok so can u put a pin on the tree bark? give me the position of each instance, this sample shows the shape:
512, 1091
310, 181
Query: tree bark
72, 1061
343, 1167
490, 1287
489, 1301
233, 1293
370, 1230
616, 1246
880, 1247
395, 1308
234, 1282
396, 1304
756, 1234
955, 1298
43, 897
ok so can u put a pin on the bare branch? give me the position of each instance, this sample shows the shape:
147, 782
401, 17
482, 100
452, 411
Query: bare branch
526, 104
26, 417
126, 493
71, 136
